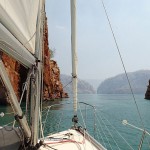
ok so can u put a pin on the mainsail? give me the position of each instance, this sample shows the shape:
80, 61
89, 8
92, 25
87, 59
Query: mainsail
18, 24
21, 36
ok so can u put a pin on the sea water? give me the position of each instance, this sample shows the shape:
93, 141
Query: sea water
104, 123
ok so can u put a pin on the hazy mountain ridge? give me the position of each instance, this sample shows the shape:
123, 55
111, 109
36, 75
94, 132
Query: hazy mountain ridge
119, 84
94, 82
83, 86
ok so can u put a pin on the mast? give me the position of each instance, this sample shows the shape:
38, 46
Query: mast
74, 54
37, 75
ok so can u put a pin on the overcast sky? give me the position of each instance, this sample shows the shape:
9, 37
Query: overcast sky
97, 53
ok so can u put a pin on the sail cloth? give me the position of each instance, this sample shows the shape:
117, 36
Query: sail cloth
20, 17
11, 138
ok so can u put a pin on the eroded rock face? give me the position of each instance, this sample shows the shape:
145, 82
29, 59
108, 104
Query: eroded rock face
12, 68
52, 87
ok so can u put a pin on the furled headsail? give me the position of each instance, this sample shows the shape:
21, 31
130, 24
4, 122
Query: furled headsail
18, 23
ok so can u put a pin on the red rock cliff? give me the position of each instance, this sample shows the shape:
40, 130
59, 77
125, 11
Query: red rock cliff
52, 85
12, 68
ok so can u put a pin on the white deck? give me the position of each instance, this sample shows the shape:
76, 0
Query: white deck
70, 140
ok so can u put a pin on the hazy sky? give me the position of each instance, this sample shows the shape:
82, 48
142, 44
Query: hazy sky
97, 53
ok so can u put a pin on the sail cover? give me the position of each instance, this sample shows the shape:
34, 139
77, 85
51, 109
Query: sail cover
19, 17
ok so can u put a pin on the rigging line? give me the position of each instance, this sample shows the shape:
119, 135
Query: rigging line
98, 133
46, 118
27, 98
60, 120
9, 113
50, 107
117, 132
50, 147
117, 46
109, 131
82, 116
142, 139
23, 91
104, 133
100, 136
41, 127
29, 39
7, 124
67, 84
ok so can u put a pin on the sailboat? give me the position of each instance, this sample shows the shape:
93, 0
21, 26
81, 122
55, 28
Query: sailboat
22, 26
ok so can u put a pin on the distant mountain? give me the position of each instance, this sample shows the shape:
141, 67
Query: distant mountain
119, 85
83, 86
94, 82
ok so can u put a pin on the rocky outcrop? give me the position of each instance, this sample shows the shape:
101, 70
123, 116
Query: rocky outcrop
147, 94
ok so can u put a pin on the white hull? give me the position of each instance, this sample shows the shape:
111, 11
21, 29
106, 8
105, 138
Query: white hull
71, 140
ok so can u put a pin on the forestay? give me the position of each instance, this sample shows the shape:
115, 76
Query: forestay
19, 17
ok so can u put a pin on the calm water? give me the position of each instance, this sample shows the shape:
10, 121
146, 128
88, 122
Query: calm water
110, 111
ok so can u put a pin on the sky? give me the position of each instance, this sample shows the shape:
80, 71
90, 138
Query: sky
97, 54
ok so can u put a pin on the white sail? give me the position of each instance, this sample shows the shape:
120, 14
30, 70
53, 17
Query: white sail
19, 17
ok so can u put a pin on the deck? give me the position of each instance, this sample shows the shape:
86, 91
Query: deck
71, 140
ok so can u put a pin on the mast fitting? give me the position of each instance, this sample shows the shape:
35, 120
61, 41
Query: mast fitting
17, 117
74, 76
75, 119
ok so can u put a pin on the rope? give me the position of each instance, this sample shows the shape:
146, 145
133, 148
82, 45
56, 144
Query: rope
142, 139
118, 120
104, 133
67, 84
50, 147
100, 136
29, 39
118, 132
109, 132
46, 118
23, 90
